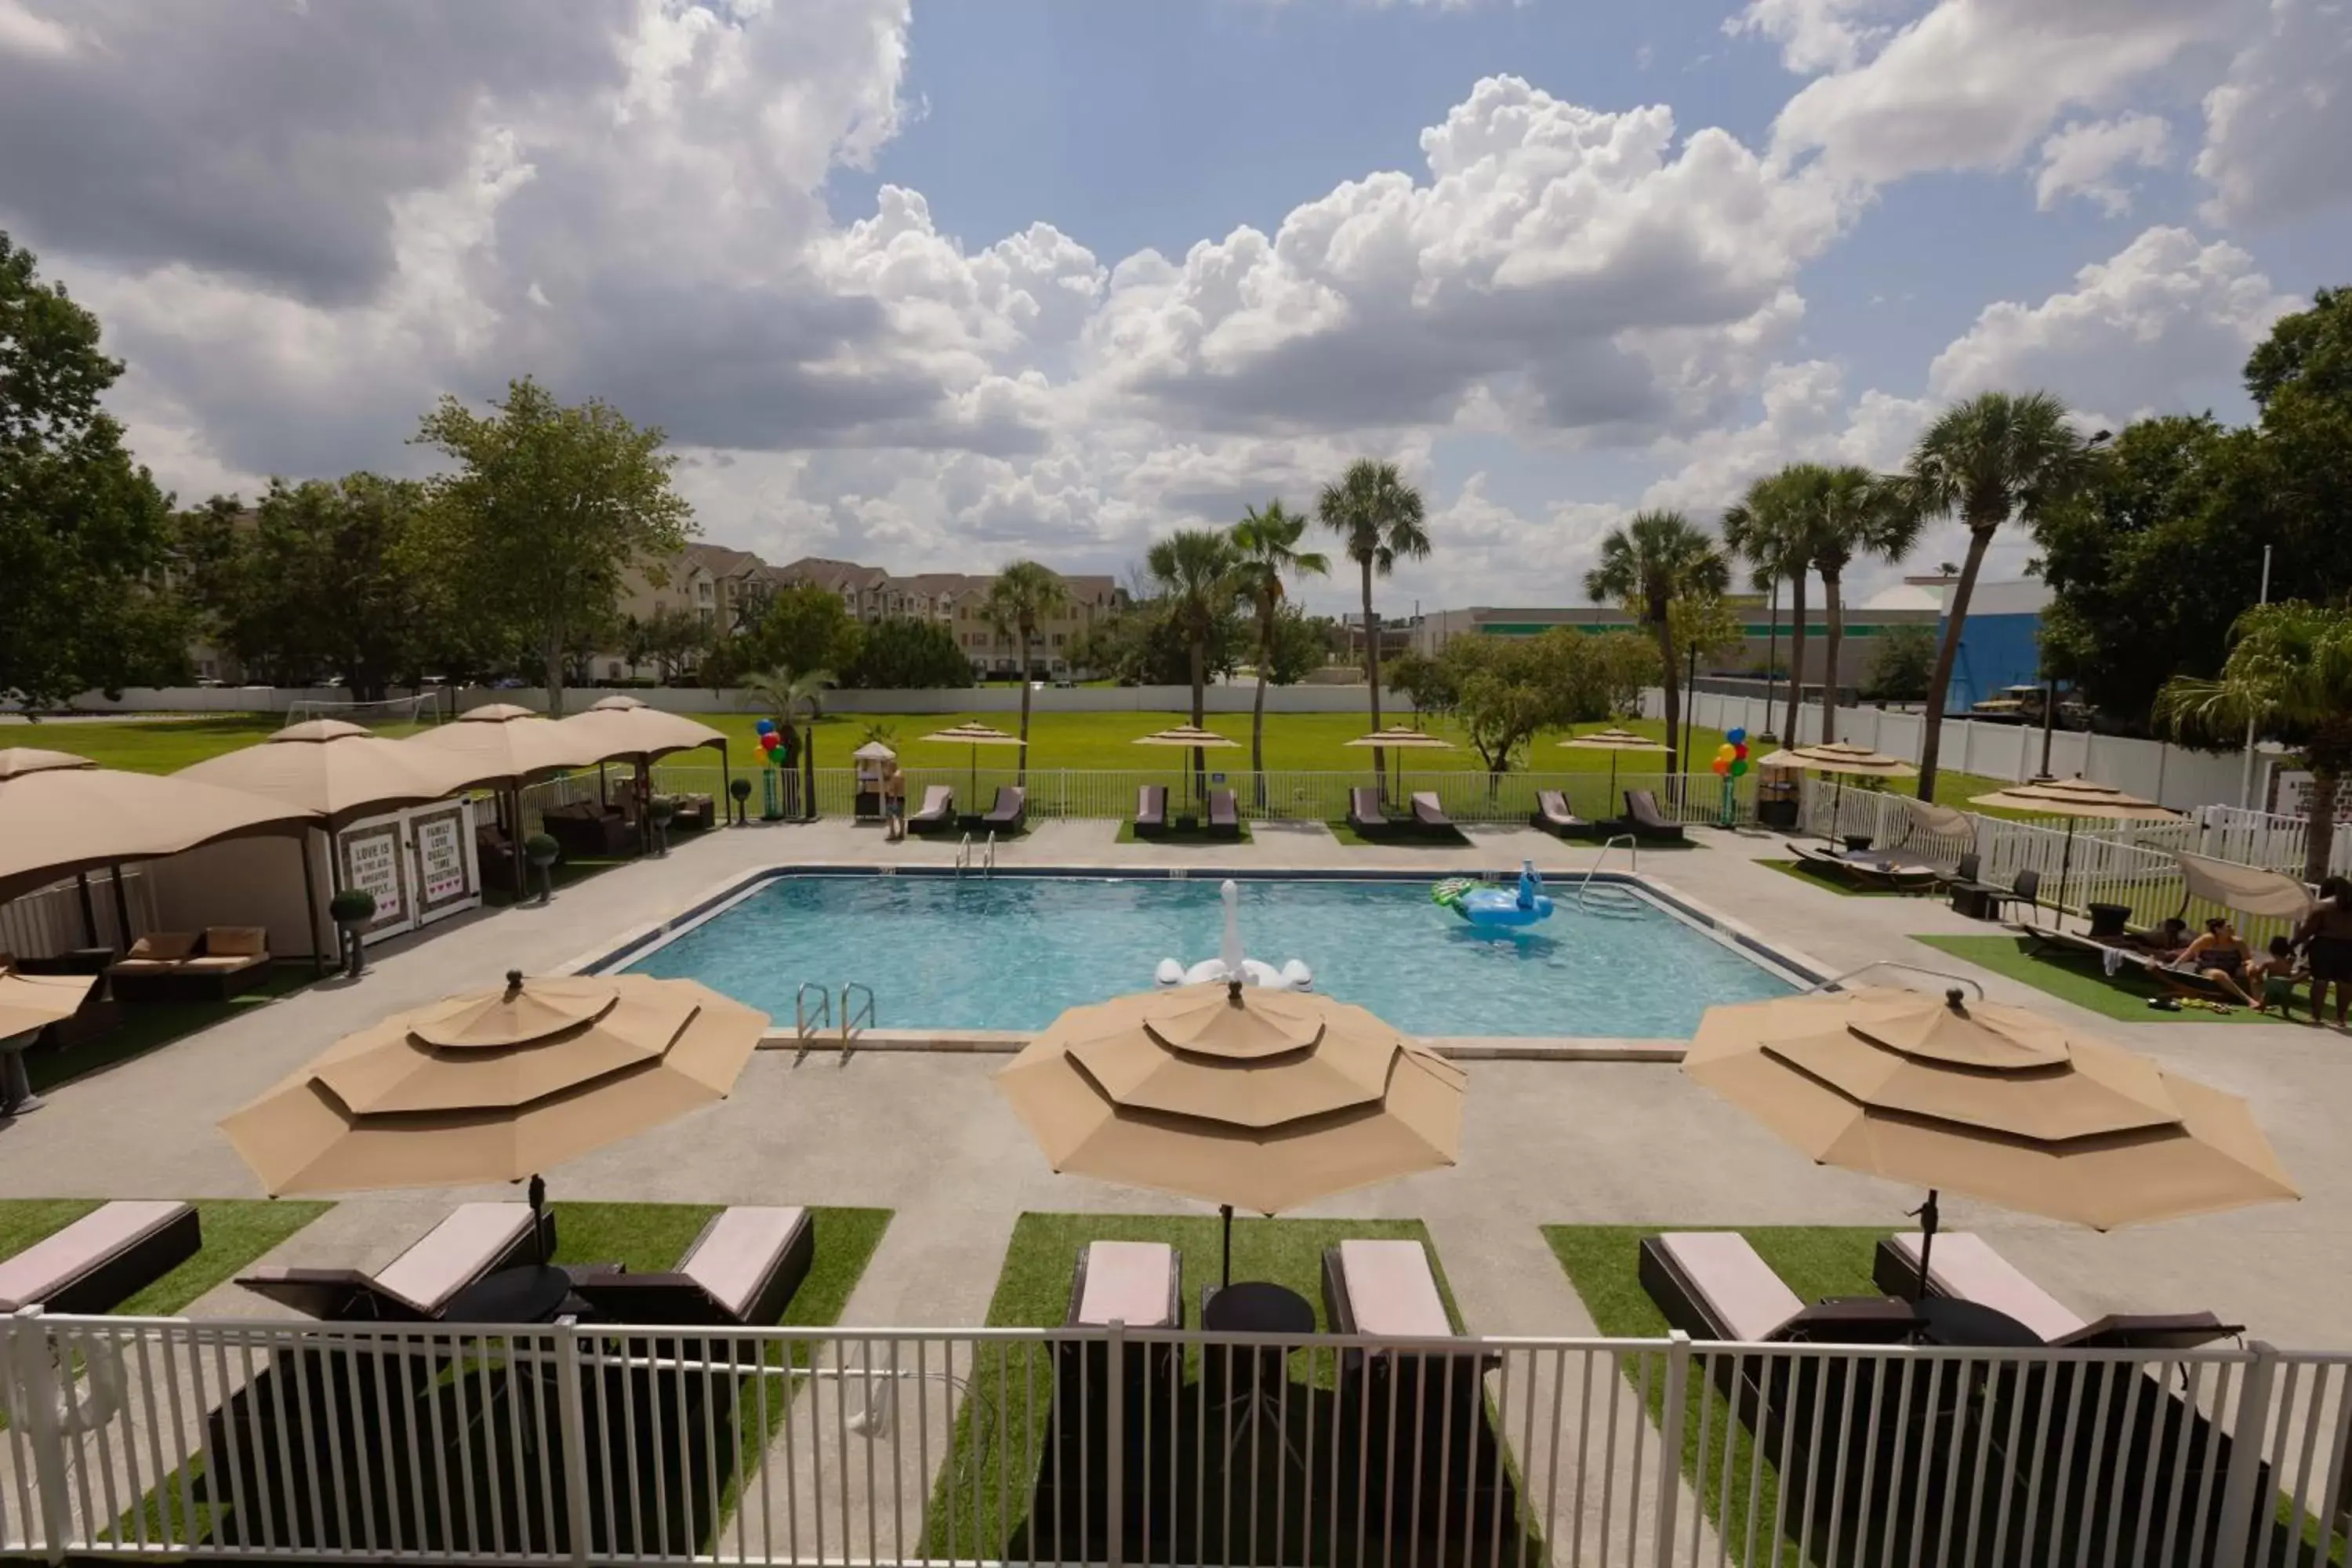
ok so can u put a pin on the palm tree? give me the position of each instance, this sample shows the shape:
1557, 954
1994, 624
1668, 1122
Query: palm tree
1023, 594
1996, 457
784, 694
2289, 672
1378, 518
1267, 544
1657, 558
1193, 570
1862, 514
1771, 528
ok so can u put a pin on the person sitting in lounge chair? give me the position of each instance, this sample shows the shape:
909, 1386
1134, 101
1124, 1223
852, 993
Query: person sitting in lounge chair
2221, 956
2277, 972
2166, 941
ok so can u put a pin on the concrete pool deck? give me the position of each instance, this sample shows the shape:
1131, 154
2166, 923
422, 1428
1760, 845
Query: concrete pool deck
1592, 1141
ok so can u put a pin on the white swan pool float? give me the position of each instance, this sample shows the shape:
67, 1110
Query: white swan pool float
1230, 962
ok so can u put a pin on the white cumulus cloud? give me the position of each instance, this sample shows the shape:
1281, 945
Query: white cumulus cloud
2278, 126
2083, 157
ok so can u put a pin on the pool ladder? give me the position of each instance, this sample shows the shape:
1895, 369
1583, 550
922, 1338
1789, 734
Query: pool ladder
988, 857
1615, 900
855, 1013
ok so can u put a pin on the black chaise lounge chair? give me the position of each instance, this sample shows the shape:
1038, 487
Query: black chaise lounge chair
1429, 813
741, 1269
938, 810
1011, 810
1552, 815
1711, 1285
474, 1240
1966, 1268
1364, 813
103, 1259
1151, 810
1646, 821
1225, 814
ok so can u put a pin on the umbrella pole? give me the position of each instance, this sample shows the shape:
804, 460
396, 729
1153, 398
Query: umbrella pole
1927, 1215
310, 909
89, 910
537, 1191
1837, 800
1610, 804
2065, 863
601, 801
1225, 1272
123, 904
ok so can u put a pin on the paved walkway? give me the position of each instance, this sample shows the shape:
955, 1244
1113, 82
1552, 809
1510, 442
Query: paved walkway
1614, 1142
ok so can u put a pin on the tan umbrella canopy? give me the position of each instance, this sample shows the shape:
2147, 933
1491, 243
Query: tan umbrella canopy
873, 752
1403, 740
2074, 799
497, 1085
61, 815
1612, 741
1991, 1100
1188, 735
974, 735
506, 746
331, 770
623, 726
1841, 760
1248, 1098
2248, 889
30, 1001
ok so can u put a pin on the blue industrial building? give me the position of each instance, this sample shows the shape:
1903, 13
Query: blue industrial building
1999, 645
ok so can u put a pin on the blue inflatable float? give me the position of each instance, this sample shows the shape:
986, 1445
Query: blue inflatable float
1496, 907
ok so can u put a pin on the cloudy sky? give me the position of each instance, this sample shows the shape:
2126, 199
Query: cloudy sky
937, 285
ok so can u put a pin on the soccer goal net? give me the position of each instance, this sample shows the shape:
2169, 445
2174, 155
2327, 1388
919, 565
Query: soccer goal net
424, 707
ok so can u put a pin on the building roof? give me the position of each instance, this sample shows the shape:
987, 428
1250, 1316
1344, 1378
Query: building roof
1902, 596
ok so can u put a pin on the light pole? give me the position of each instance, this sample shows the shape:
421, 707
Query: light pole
1771, 658
2246, 771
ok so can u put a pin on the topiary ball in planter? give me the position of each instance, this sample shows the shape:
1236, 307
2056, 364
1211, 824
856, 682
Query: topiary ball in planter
661, 809
542, 850
350, 910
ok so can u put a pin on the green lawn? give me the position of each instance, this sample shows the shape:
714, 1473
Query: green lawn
149, 1025
236, 1230
1815, 1260
1015, 1390
1828, 881
2074, 976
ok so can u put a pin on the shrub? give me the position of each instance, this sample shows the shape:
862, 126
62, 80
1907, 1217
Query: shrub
351, 906
540, 849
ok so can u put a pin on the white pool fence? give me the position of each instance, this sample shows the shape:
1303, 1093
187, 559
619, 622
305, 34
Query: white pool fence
572, 1443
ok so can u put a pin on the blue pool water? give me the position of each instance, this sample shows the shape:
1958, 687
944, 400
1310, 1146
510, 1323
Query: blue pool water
1012, 952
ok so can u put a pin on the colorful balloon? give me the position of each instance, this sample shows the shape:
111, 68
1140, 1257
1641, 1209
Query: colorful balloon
1722, 768
1741, 750
1738, 737
1725, 754
1737, 769
765, 727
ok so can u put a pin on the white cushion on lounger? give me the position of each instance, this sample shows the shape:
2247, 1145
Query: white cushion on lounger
738, 1252
454, 1253
1738, 1288
1966, 1268
1126, 1282
1391, 1289
54, 1262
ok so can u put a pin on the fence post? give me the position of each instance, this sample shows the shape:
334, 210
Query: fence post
2245, 1458
29, 1375
570, 1433
1670, 1443
1115, 1450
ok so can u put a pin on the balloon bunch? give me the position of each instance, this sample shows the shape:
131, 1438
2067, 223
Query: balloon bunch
1731, 757
770, 742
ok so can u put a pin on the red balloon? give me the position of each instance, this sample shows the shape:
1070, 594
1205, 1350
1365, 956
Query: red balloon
1740, 751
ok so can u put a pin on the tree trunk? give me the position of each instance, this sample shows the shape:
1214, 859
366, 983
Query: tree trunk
1673, 697
1200, 659
1831, 631
555, 651
2319, 837
1021, 772
1796, 657
1258, 709
1956, 615
1372, 668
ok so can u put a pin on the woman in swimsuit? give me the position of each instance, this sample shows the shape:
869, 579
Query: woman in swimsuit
2326, 937
2220, 955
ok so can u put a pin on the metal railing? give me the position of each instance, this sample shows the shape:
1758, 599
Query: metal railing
856, 1018
807, 1021
1632, 863
50, 921
569, 1443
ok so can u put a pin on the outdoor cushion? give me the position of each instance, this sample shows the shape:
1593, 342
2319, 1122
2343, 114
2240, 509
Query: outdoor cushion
1126, 1282
1738, 1288
1392, 1290
163, 947
1966, 1268
221, 963
736, 1253
54, 1262
453, 1254
237, 941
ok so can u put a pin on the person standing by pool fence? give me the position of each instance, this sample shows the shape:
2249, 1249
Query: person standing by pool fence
894, 803
2325, 938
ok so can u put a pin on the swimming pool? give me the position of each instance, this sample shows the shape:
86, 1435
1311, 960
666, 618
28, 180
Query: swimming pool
1012, 951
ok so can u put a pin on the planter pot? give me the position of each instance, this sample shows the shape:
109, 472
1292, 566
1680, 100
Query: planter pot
543, 852
355, 950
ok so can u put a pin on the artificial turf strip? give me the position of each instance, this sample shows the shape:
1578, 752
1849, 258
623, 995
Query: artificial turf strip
1182, 838
148, 1025
1816, 1261
236, 1232
1398, 838
1816, 876
1033, 1291
2073, 976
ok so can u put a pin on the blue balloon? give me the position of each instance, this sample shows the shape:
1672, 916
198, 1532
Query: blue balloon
764, 726
1736, 737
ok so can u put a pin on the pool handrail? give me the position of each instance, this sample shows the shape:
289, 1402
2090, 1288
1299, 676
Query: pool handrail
1633, 862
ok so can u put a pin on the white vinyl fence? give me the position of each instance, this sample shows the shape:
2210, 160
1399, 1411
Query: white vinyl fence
49, 922
573, 1443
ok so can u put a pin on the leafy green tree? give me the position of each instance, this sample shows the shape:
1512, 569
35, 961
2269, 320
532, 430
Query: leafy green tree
547, 508
1861, 514
1424, 682
1505, 691
1023, 594
1193, 570
805, 627
83, 530
902, 652
1657, 558
1380, 520
1302, 645
1996, 457
1266, 545
2290, 673
1899, 668
673, 639
1772, 528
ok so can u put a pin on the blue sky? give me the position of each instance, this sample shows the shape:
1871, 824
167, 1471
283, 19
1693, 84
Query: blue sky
935, 284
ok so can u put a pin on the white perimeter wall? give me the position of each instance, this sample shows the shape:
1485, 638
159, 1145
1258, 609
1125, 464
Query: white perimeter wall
1314, 698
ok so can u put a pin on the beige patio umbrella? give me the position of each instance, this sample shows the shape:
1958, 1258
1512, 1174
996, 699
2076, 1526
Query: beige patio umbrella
502, 747
1188, 735
1841, 760
1615, 742
974, 735
1991, 1100
1248, 1098
27, 1003
1396, 738
497, 1085
637, 733
63, 816
2075, 799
